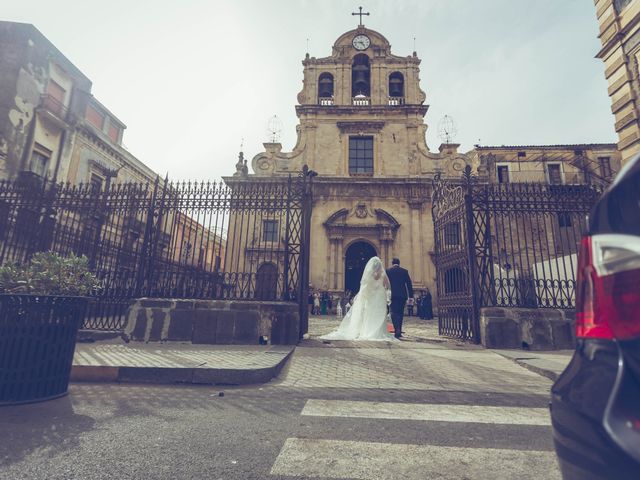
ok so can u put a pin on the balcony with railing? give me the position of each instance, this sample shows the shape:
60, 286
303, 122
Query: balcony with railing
394, 101
53, 105
361, 101
325, 101
54, 108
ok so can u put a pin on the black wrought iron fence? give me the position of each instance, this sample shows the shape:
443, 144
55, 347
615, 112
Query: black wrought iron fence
526, 242
505, 245
235, 240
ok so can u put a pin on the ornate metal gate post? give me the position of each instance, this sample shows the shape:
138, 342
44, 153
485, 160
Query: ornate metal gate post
286, 293
303, 287
143, 261
473, 281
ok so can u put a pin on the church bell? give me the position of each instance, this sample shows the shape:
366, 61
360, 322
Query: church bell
326, 88
360, 74
360, 80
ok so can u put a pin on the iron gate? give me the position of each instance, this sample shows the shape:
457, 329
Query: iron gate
505, 245
457, 302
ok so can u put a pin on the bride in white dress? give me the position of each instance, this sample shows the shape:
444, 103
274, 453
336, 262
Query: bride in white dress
367, 317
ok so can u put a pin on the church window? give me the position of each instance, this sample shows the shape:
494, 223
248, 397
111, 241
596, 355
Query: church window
325, 87
361, 155
396, 87
360, 76
270, 230
502, 172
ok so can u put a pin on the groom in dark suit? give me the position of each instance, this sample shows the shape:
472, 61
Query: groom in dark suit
401, 289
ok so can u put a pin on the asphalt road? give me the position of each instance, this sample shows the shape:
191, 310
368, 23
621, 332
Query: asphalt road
354, 411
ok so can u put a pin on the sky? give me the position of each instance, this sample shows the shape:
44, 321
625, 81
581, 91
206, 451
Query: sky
194, 80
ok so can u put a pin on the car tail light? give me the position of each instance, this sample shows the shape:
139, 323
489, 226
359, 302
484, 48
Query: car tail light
608, 287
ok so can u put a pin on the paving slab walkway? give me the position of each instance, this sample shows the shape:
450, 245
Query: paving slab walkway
177, 363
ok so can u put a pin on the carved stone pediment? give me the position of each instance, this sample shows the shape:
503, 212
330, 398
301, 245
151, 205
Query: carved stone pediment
361, 220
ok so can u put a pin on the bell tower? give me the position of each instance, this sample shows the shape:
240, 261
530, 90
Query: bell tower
361, 128
361, 110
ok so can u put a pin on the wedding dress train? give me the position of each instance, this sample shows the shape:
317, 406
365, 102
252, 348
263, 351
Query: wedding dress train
367, 317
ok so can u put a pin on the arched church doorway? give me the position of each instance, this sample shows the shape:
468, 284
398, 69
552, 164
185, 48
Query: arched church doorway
356, 257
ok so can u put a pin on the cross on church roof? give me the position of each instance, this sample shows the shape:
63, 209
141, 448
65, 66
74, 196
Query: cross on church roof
360, 14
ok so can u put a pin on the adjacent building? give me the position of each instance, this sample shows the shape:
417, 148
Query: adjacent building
582, 164
619, 22
50, 124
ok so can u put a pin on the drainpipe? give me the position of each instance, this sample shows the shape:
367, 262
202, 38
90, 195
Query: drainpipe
63, 138
28, 146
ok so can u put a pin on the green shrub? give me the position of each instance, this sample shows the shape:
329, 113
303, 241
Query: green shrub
49, 274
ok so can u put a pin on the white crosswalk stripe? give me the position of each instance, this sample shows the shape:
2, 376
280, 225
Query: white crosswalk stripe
385, 461
428, 412
345, 459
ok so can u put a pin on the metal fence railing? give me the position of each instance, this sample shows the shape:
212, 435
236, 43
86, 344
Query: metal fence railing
505, 245
235, 240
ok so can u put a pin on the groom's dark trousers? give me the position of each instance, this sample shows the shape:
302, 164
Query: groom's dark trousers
401, 288
397, 314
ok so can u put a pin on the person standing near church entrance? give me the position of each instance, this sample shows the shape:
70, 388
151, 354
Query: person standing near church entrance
401, 289
427, 307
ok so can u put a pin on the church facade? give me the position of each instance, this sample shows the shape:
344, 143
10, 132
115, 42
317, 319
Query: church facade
362, 129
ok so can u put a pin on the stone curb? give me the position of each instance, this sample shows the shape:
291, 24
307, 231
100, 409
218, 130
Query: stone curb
534, 364
550, 374
179, 375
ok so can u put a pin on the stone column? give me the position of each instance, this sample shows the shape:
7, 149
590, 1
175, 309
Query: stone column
335, 260
428, 261
340, 262
330, 264
336, 264
417, 246
385, 236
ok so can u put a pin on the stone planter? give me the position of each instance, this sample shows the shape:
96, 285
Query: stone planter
37, 341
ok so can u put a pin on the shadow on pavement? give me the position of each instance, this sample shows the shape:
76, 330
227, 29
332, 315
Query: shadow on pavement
47, 427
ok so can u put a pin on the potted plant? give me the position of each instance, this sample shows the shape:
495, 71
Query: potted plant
42, 307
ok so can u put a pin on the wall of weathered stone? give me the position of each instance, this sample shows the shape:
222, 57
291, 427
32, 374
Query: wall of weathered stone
527, 328
222, 322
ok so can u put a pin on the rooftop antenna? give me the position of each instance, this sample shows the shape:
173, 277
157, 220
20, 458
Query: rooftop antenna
447, 129
274, 129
